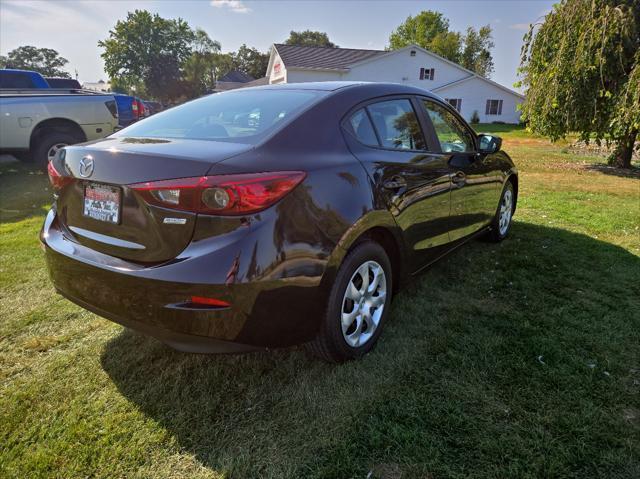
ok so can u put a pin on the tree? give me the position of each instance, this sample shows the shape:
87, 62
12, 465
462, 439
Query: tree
447, 45
581, 73
149, 49
45, 61
430, 30
251, 61
420, 30
199, 68
476, 53
309, 38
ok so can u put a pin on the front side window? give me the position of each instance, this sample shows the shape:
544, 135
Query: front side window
494, 107
237, 116
397, 125
451, 133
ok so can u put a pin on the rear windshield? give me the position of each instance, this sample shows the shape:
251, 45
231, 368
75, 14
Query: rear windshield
237, 116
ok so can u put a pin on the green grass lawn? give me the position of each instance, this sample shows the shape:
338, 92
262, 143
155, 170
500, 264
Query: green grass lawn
520, 359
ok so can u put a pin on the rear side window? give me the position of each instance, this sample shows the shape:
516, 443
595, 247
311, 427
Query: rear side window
397, 125
237, 116
362, 128
15, 80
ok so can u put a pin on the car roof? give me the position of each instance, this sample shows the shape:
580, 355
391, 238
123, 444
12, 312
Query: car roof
375, 88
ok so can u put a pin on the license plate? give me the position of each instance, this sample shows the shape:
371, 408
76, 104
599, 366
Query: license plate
102, 202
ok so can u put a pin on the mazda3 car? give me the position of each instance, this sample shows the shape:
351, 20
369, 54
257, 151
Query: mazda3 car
272, 216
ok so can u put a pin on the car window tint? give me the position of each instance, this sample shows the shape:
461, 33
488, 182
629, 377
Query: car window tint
397, 125
452, 135
241, 116
362, 128
15, 80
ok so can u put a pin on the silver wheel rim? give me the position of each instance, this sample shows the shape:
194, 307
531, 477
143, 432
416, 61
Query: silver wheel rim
363, 303
54, 149
506, 208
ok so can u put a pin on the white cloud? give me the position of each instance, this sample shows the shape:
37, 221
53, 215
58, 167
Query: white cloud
520, 26
236, 6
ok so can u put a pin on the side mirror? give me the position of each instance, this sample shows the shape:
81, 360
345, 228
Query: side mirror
489, 143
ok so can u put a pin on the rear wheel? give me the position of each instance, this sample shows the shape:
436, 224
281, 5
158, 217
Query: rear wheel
501, 223
358, 305
48, 145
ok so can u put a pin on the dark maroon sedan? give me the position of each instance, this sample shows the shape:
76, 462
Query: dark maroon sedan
272, 216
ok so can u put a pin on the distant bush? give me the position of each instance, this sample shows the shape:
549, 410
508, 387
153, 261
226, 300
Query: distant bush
475, 118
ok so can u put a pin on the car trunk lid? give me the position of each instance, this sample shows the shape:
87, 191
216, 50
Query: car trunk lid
100, 210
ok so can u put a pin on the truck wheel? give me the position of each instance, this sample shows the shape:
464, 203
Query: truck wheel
48, 145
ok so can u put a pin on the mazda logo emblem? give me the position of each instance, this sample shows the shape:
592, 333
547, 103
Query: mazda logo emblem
86, 167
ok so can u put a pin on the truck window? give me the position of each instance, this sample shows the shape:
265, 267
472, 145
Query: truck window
15, 80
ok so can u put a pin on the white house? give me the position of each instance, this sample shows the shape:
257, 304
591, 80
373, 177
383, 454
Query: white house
412, 65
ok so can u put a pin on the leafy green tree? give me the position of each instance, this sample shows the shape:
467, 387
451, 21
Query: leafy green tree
447, 45
476, 53
251, 61
420, 30
310, 38
430, 30
149, 49
199, 68
45, 61
581, 73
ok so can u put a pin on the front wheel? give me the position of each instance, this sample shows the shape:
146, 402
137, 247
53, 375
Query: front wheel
501, 223
358, 305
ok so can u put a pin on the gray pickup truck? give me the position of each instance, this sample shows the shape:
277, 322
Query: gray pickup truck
36, 122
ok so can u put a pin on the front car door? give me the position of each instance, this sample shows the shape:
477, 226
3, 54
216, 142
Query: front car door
409, 179
475, 178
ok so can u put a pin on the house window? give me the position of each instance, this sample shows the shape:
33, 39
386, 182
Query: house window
413, 53
455, 102
427, 73
494, 107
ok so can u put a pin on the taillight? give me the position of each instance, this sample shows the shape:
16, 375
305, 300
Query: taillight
221, 195
134, 109
56, 179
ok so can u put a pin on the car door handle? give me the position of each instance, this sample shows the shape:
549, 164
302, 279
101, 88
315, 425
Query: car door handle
459, 178
395, 183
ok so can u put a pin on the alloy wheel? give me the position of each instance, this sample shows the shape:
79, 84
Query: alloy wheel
363, 303
51, 153
506, 209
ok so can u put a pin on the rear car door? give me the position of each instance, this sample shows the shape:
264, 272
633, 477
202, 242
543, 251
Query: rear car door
474, 177
413, 182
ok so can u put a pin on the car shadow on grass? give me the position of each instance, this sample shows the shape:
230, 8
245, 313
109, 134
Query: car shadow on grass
513, 359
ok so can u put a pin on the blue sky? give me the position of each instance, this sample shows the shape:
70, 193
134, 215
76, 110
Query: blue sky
73, 27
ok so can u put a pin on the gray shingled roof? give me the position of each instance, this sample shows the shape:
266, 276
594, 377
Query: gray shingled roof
322, 57
237, 76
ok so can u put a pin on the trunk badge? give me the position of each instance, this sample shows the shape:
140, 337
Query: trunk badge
175, 221
86, 166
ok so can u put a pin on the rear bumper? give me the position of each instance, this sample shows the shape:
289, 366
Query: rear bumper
264, 312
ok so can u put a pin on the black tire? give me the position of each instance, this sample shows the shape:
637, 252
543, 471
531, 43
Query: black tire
330, 343
24, 156
47, 140
495, 234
